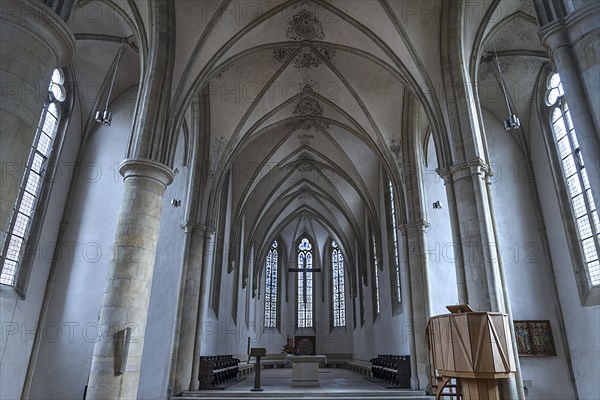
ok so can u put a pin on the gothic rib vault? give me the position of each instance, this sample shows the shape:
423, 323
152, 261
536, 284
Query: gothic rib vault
285, 119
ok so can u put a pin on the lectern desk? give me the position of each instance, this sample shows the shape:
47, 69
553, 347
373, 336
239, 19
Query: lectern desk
257, 352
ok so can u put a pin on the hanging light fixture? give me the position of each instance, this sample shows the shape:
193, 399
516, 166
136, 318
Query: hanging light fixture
105, 117
512, 122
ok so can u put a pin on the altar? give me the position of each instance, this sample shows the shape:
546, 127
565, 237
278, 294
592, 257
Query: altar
305, 369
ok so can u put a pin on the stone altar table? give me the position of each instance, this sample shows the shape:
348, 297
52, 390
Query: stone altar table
305, 369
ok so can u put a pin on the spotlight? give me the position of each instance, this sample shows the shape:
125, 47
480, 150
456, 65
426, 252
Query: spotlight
175, 203
512, 122
104, 117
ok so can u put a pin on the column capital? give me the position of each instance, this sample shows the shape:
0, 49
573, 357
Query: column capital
421, 225
145, 168
40, 21
467, 169
568, 30
196, 229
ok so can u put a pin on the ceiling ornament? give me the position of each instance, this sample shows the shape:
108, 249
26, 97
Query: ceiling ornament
396, 148
305, 138
304, 26
308, 105
218, 147
305, 163
306, 58
306, 166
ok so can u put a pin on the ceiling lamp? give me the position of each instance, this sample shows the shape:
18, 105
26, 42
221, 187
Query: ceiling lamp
105, 117
512, 122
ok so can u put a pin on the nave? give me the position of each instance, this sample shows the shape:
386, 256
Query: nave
336, 383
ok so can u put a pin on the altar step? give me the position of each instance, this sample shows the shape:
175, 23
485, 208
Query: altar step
358, 395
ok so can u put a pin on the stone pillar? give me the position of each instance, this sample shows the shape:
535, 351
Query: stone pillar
209, 245
574, 45
477, 244
413, 237
483, 287
129, 281
461, 280
189, 314
33, 42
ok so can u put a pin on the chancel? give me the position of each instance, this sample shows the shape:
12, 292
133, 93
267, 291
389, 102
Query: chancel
190, 185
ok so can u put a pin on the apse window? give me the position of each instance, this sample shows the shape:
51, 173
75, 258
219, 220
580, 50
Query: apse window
576, 179
339, 296
19, 231
271, 269
305, 284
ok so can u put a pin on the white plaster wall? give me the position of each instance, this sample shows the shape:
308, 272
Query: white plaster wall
79, 284
440, 246
525, 265
582, 323
160, 328
18, 318
388, 333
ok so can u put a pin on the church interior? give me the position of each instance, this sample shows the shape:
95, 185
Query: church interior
187, 181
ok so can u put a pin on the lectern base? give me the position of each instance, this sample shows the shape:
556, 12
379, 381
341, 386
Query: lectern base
480, 389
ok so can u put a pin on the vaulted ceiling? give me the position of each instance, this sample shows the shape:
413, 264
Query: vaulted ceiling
305, 101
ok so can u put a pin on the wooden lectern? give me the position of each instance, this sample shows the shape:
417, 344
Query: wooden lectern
473, 347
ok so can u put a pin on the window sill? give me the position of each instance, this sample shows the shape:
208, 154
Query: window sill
9, 292
592, 297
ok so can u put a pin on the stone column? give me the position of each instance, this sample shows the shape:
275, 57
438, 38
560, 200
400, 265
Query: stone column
413, 235
129, 281
574, 45
461, 280
189, 314
209, 245
483, 287
477, 244
33, 42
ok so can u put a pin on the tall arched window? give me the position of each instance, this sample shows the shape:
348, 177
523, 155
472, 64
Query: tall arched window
339, 296
396, 258
305, 284
18, 234
376, 275
271, 271
576, 179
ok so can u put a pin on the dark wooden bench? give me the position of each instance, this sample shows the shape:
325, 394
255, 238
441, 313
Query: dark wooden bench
217, 372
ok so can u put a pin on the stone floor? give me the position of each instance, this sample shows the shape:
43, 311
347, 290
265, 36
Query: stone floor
336, 383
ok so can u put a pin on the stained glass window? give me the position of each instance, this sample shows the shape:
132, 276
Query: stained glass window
395, 244
31, 185
576, 179
339, 296
305, 284
272, 269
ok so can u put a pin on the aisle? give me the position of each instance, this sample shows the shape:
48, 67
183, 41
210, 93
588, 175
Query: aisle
337, 383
